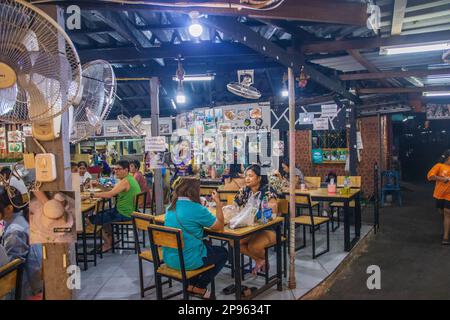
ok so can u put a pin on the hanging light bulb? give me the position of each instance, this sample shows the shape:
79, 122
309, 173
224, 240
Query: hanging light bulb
195, 29
180, 98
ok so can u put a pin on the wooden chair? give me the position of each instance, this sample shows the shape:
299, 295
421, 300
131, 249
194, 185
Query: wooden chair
355, 182
141, 222
311, 221
312, 182
122, 229
172, 238
11, 279
90, 232
283, 209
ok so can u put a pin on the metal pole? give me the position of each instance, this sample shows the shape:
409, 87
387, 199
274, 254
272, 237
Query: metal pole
292, 282
158, 181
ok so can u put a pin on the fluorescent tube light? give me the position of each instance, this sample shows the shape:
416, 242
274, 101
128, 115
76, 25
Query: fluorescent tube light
436, 94
196, 78
415, 48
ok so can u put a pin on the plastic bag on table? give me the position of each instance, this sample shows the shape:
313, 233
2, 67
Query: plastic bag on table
229, 212
246, 217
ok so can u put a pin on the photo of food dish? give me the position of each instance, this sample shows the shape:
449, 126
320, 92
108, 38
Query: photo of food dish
52, 217
2, 131
229, 114
209, 143
224, 127
14, 136
164, 128
15, 147
2, 144
256, 113
238, 143
242, 115
26, 131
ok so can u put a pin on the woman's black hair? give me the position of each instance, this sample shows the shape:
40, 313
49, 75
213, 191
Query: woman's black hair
83, 164
137, 164
445, 156
257, 170
5, 200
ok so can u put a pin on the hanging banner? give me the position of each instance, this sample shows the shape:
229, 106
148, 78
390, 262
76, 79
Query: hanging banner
329, 110
437, 111
155, 144
320, 124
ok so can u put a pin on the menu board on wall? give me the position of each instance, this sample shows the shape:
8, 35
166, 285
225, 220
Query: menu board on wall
437, 111
113, 128
241, 117
338, 155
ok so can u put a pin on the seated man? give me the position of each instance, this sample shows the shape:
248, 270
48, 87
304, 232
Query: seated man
125, 190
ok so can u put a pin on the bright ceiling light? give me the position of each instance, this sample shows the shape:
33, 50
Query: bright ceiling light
436, 94
285, 93
196, 78
415, 48
195, 29
181, 98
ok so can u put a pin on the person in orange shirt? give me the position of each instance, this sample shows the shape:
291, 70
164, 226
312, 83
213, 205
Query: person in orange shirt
441, 174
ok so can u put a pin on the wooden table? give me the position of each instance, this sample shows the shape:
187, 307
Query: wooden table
321, 194
236, 235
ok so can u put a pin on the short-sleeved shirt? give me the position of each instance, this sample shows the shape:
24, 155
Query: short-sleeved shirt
194, 218
243, 195
85, 177
442, 189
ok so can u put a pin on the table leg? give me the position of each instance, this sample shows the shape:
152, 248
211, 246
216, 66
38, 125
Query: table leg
358, 216
279, 271
237, 268
346, 226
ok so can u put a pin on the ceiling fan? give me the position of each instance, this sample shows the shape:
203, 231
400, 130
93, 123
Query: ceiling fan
243, 88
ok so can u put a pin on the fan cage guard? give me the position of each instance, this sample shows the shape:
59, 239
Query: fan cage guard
248, 92
48, 79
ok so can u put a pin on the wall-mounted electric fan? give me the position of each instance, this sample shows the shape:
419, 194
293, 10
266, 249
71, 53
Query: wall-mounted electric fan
98, 94
40, 72
244, 88
132, 126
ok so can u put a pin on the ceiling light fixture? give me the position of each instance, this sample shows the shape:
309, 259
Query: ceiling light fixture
196, 78
173, 104
195, 29
436, 94
415, 48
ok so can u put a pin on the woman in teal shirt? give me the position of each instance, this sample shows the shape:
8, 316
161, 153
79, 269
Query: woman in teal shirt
186, 213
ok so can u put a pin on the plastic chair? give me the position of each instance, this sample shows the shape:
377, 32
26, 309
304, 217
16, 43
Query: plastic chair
390, 182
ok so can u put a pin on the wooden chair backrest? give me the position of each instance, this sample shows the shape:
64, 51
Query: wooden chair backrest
283, 206
302, 199
9, 275
230, 198
312, 182
140, 199
355, 181
165, 236
142, 221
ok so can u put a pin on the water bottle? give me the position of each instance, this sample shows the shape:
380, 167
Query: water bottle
346, 185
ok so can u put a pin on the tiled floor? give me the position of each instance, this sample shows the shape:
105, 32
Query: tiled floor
116, 275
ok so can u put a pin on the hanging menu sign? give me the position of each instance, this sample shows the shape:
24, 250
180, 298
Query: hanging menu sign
320, 124
329, 110
155, 144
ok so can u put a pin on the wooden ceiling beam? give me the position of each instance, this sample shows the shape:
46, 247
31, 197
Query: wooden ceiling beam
366, 64
394, 74
373, 42
398, 16
323, 11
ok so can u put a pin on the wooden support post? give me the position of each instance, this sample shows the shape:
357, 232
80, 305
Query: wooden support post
292, 283
57, 256
352, 140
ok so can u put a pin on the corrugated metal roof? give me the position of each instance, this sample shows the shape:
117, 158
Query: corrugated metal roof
382, 62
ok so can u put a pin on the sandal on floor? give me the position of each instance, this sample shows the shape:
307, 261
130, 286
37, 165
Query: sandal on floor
205, 295
247, 292
229, 290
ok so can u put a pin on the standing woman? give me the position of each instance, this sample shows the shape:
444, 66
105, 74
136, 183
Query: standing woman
134, 170
441, 174
254, 246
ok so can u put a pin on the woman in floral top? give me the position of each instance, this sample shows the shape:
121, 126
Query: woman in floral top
254, 246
